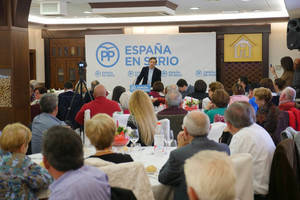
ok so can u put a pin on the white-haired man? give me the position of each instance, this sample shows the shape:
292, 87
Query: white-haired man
287, 103
173, 100
192, 140
248, 137
210, 175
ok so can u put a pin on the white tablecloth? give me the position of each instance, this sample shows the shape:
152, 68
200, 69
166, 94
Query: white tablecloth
145, 155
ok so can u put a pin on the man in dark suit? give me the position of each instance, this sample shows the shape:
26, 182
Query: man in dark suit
149, 74
190, 141
64, 102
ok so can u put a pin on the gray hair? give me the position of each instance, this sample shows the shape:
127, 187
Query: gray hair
48, 102
196, 123
170, 88
240, 114
173, 98
290, 94
124, 100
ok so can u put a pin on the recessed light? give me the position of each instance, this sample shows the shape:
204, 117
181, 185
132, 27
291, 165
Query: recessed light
245, 0
87, 12
194, 8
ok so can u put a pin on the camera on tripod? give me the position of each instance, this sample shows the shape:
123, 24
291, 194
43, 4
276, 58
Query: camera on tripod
82, 64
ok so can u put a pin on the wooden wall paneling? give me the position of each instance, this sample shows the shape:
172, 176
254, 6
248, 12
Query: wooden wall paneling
67, 34
47, 63
32, 64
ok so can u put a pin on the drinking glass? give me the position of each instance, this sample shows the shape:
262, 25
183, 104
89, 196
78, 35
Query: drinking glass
133, 136
168, 137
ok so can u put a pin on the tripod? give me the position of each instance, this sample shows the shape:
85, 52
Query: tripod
78, 91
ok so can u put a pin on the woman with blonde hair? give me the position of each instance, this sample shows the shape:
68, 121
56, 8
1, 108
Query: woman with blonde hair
142, 116
20, 177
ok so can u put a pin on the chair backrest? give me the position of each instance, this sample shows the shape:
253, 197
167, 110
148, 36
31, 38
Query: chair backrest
284, 180
131, 176
176, 122
216, 131
243, 167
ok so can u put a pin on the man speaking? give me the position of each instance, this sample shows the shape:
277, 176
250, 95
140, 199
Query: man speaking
149, 74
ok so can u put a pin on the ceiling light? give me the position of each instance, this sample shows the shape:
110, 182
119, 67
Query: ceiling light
87, 12
245, 0
194, 8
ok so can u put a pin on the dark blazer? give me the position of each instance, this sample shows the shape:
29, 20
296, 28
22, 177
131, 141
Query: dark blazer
156, 76
64, 101
172, 172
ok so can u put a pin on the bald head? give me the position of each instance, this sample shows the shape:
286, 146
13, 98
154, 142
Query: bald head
196, 123
99, 91
297, 64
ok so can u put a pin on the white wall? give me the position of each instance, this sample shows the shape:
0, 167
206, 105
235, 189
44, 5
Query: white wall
36, 42
278, 47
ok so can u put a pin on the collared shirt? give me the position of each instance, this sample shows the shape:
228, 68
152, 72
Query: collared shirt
20, 177
150, 74
40, 124
257, 141
84, 183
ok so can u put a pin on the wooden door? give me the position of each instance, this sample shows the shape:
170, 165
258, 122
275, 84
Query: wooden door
32, 63
65, 55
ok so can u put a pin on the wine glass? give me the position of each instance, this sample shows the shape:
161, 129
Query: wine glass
169, 137
133, 136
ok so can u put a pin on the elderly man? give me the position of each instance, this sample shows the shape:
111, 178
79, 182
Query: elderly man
248, 137
173, 101
45, 120
100, 105
210, 175
287, 103
73, 180
192, 140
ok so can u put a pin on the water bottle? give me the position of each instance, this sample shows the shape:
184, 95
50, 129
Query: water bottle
158, 138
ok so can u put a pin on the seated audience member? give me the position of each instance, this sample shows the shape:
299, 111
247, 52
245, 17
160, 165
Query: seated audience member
268, 83
31, 90
142, 117
38, 92
279, 85
287, 103
117, 91
73, 180
45, 120
100, 105
211, 88
21, 178
190, 141
268, 115
158, 89
184, 88
87, 97
243, 81
238, 94
251, 96
199, 90
173, 101
162, 100
101, 131
171, 87
288, 70
296, 80
66, 112
210, 175
124, 102
248, 137
218, 105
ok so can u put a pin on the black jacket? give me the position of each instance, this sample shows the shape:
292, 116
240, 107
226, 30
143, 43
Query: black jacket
144, 75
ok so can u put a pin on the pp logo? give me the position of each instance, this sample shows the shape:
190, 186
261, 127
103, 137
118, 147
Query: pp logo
97, 73
130, 73
107, 54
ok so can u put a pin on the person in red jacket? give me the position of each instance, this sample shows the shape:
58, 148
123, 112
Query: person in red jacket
99, 105
287, 103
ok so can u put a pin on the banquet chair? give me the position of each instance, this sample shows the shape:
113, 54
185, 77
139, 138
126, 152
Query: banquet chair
284, 180
175, 122
131, 176
216, 131
243, 168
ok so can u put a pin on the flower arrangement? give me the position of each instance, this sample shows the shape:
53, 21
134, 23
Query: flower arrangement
121, 138
191, 104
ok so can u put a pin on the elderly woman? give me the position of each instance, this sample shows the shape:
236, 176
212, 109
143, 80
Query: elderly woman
20, 178
219, 100
268, 115
101, 130
142, 116
124, 101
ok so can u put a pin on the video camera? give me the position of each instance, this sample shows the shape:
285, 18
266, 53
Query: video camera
82, 64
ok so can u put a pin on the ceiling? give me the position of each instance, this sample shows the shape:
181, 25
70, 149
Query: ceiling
207, 10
